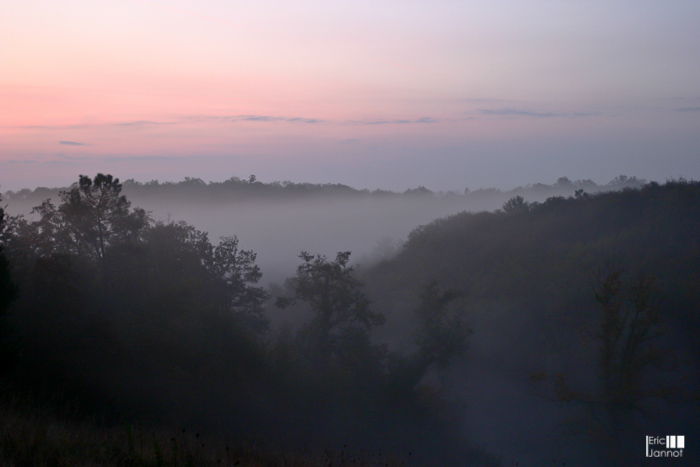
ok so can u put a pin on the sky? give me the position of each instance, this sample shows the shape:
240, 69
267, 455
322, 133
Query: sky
375, 94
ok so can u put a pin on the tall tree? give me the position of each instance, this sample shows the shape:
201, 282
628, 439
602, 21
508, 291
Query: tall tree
8, 291
442, 327
629, 374
93, 215
441, 336
341, 308
97, 215
237, 270
516, 204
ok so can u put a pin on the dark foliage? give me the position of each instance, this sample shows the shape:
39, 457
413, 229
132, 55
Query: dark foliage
237, 189
131, 319
8, 294
527, 269
342, 315
8, 291
92, 216
442, 328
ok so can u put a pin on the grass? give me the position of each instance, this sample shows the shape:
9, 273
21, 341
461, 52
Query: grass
39, 437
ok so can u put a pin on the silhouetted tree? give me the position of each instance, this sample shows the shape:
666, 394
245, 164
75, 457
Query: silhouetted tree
8, 294
8, 290
441, 336
629, 323
92, 216
442, 328
516, 204
627, 365
239, 273
341, 310
581, 194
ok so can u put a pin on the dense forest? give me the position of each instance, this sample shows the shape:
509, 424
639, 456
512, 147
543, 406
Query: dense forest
277, 220
562, 329
595, 299
237, 189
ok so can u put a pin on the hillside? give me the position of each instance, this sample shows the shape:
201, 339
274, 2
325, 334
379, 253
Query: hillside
531, 272
564, 329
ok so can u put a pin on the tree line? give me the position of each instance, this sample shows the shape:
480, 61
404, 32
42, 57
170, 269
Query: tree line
591, 301
237, 189
121, 315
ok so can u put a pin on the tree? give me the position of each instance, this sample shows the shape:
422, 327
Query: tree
628, 374
92, 216
441, 336
97, 215
625, 334
581, 194
181, 272
239, 273
8, 291
516, 204
341, 310
442, 328
8, 294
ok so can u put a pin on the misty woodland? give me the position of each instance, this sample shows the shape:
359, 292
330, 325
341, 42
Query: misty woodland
569, 324
368, 233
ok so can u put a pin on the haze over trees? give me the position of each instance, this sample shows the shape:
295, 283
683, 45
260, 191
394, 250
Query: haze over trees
277, 220
463, 348
628, 365
236, 190
527, 273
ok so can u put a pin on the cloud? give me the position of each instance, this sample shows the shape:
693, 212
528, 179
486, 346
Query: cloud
21, 162
482, 100
306, 120
519, 113
142, 158
686, 98
204, 119
303, 120
144, 123
269, 118
688, 109
509, 112
258, 118
48, 127
71, 143
394, 122
221, 119
59, 163
384, 122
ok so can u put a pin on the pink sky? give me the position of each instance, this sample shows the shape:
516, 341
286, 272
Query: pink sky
374, 94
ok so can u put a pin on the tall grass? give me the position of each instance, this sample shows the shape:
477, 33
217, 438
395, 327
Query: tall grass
34, 436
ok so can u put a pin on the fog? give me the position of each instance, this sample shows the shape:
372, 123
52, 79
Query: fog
279, 231
517, 271
361, 307
372, 226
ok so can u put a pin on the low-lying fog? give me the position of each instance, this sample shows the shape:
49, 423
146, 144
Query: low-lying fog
504, 415
278, 231
371, 226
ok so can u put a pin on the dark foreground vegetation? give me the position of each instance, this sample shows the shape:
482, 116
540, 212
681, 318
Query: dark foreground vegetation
586, 306
593, 298
42, 437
